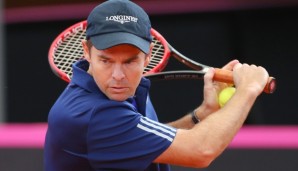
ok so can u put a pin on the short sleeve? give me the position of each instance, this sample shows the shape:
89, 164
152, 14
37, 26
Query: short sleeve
120, 138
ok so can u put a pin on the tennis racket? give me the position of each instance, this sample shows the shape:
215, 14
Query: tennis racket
67, 48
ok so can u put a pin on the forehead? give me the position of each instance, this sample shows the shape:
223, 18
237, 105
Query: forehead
122, 49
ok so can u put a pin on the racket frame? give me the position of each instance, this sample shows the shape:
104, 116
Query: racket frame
155, 72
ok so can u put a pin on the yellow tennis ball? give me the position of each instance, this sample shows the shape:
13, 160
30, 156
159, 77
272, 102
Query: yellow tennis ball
225, 95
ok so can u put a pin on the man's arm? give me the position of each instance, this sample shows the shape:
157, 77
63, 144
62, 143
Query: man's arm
210, 103
186, 122
199, 146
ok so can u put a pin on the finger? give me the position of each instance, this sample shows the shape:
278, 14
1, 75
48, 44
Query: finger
210, 84
230, 65
238, 65
208, 77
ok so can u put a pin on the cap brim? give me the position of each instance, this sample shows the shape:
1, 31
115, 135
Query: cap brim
112, 39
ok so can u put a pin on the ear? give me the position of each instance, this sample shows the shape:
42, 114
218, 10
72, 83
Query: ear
148, 56
86, 50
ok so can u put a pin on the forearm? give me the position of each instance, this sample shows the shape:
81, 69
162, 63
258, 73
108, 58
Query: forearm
218, 129
186, 122
183, 123
199, 146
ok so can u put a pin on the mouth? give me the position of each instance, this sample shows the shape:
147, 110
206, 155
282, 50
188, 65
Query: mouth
118, 90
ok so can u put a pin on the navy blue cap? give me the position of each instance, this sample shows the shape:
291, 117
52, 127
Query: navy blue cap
117, 22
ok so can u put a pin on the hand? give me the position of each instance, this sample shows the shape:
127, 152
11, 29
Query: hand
212, 89
250, 78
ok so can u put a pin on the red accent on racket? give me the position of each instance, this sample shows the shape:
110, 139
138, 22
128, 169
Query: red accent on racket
67, 48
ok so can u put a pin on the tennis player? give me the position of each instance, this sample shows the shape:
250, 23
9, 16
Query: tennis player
104, 120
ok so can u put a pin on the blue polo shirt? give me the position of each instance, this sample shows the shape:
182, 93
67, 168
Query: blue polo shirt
88, 132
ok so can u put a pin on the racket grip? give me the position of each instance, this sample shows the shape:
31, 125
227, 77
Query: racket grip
226, 76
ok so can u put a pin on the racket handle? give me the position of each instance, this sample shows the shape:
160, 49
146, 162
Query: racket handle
226, 76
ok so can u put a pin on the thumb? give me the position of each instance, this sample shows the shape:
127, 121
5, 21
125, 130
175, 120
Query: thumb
208, 77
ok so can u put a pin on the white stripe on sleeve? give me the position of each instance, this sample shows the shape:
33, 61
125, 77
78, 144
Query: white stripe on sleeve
157, 128
155, 132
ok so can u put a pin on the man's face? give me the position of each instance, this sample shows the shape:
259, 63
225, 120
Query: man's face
117, 71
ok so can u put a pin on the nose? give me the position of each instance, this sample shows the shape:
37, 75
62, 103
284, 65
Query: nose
118, 73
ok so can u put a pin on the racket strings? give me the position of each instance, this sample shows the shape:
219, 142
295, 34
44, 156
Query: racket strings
156, 55
68, 51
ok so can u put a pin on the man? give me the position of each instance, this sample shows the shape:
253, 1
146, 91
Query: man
104, 119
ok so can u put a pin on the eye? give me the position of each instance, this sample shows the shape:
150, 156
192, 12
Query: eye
131, 61
104, 61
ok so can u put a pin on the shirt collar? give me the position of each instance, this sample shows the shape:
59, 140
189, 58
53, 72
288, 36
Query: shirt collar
82, 78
